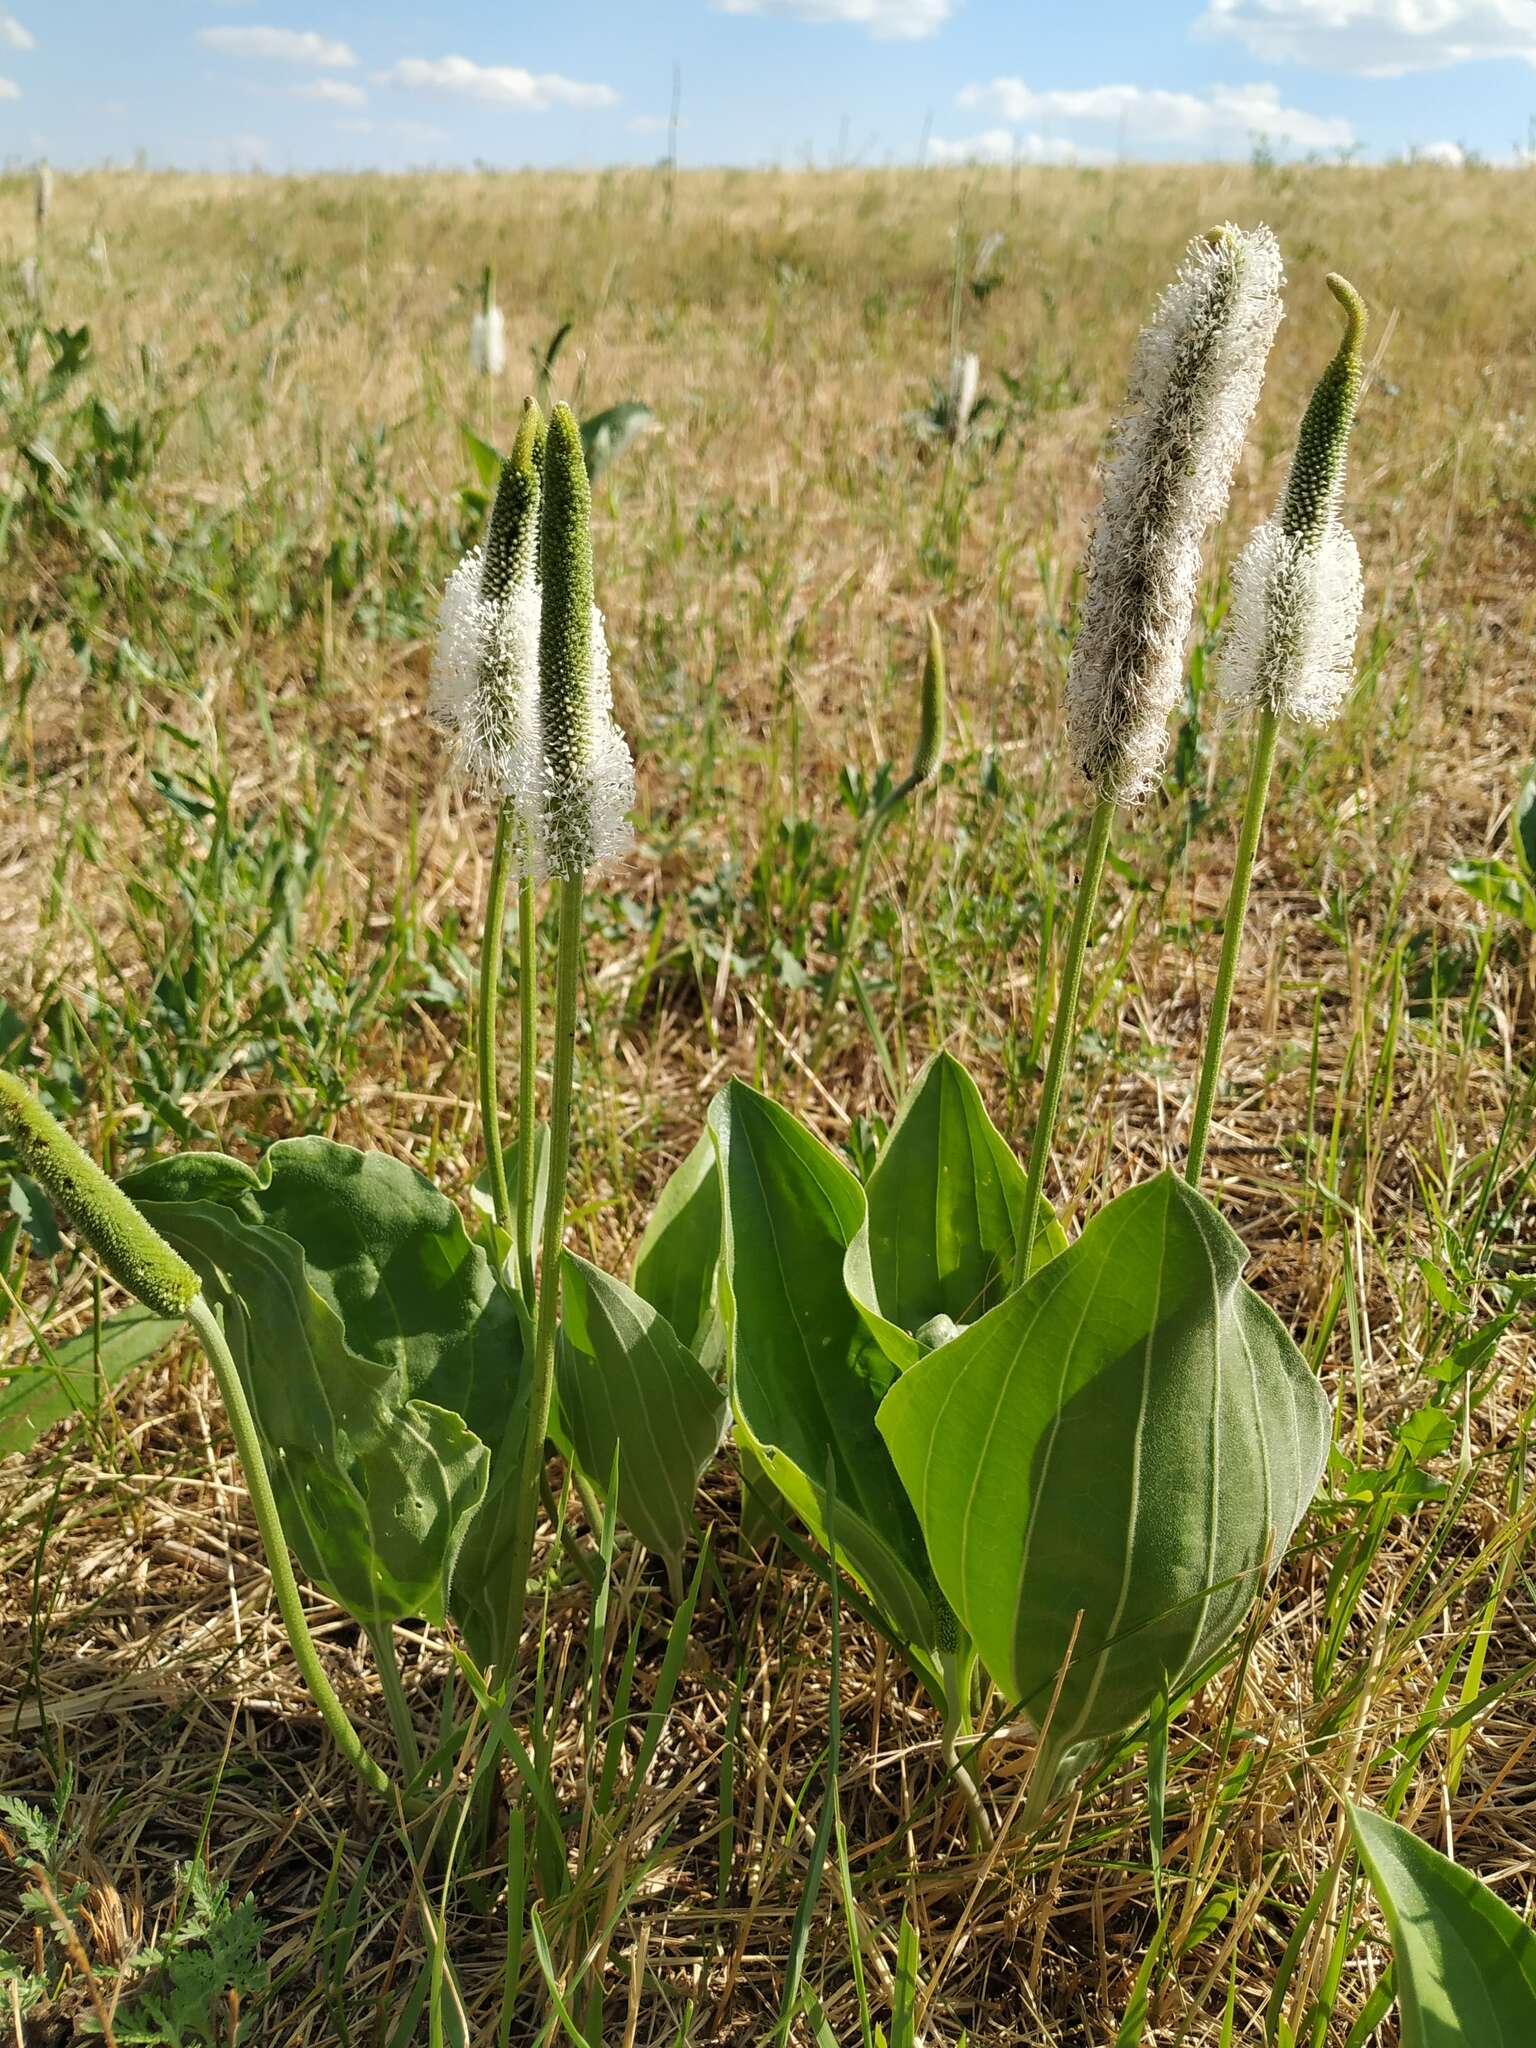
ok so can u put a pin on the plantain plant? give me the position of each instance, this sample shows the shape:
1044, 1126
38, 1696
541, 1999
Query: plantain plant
1069, 1460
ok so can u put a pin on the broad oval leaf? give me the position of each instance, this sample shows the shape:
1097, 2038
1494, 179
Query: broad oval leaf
1466, 1964
945, 1199
1129, 1437
805, 1377
628, 1383
679, 1250
380, 1357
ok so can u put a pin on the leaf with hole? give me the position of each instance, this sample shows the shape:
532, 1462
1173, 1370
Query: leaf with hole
379, 1354
1131, 1438
1466, 1964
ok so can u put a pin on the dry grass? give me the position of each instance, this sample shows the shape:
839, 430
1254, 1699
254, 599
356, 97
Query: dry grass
765, 563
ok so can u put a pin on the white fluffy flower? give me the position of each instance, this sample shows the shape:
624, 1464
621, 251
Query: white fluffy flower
1291, 630
1194, 384
488, 342
485, 672
485, 696
575, 828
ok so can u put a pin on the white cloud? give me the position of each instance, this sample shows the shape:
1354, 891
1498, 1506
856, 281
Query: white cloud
1003, 146
893, 20
506, 85
1449, 155
9, 89
14, 36
1223, 115
336, 92
285, 45
1377, 38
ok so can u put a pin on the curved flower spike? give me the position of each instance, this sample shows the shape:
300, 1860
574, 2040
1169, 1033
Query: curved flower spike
1297, 590
585, 783
1194, 384
124, 1240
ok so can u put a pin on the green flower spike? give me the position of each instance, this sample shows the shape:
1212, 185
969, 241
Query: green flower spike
512, 539
1317, 470
126, 1244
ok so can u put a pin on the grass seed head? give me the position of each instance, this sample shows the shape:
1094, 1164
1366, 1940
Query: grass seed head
1297, 590
1194, 383
121, 1237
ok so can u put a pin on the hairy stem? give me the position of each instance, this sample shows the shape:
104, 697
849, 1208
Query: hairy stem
1232, 940
485, 1023
546, 1328
1063, 1031
527, 1074
289, 1603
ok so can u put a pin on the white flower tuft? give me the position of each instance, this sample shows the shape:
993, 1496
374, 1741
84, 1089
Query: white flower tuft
1291, 629
485, 696
573, 830
1194, 384
488, 343
485, 681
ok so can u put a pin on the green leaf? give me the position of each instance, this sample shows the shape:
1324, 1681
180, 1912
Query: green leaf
1128, 1437
944, 1202
627, 1383
487, 460
1522, 828
805, 1377
680, 1249
1497, 886
1466, 1965
65, 1383
380, 1357
606, 435
30, 1205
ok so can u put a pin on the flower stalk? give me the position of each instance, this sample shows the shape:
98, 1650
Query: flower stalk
1194, 383
1296, 602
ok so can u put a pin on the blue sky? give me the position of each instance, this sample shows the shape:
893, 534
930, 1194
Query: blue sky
311, 84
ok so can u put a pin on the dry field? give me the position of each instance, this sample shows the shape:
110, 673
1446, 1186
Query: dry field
238, 900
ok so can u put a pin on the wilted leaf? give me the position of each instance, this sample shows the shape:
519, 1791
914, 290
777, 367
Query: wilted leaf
379, 1354
1466, 1965
1129, 1437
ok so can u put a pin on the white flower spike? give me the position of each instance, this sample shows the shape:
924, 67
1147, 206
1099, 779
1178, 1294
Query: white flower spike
1194, 384
1297, 591
488, 332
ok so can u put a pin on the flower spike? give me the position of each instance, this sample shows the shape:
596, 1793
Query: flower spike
1194, 384
1297, 590
120, 1235
586, 779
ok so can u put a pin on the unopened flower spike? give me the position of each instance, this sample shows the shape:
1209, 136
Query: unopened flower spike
1194, 384
485, 670
585, 784
1297, 590
124, 1240
929, 753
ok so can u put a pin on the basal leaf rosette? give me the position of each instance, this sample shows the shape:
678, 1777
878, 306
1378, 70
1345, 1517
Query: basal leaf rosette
1117, 1451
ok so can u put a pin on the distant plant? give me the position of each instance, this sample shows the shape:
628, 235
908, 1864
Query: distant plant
488, 332
1508, 886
